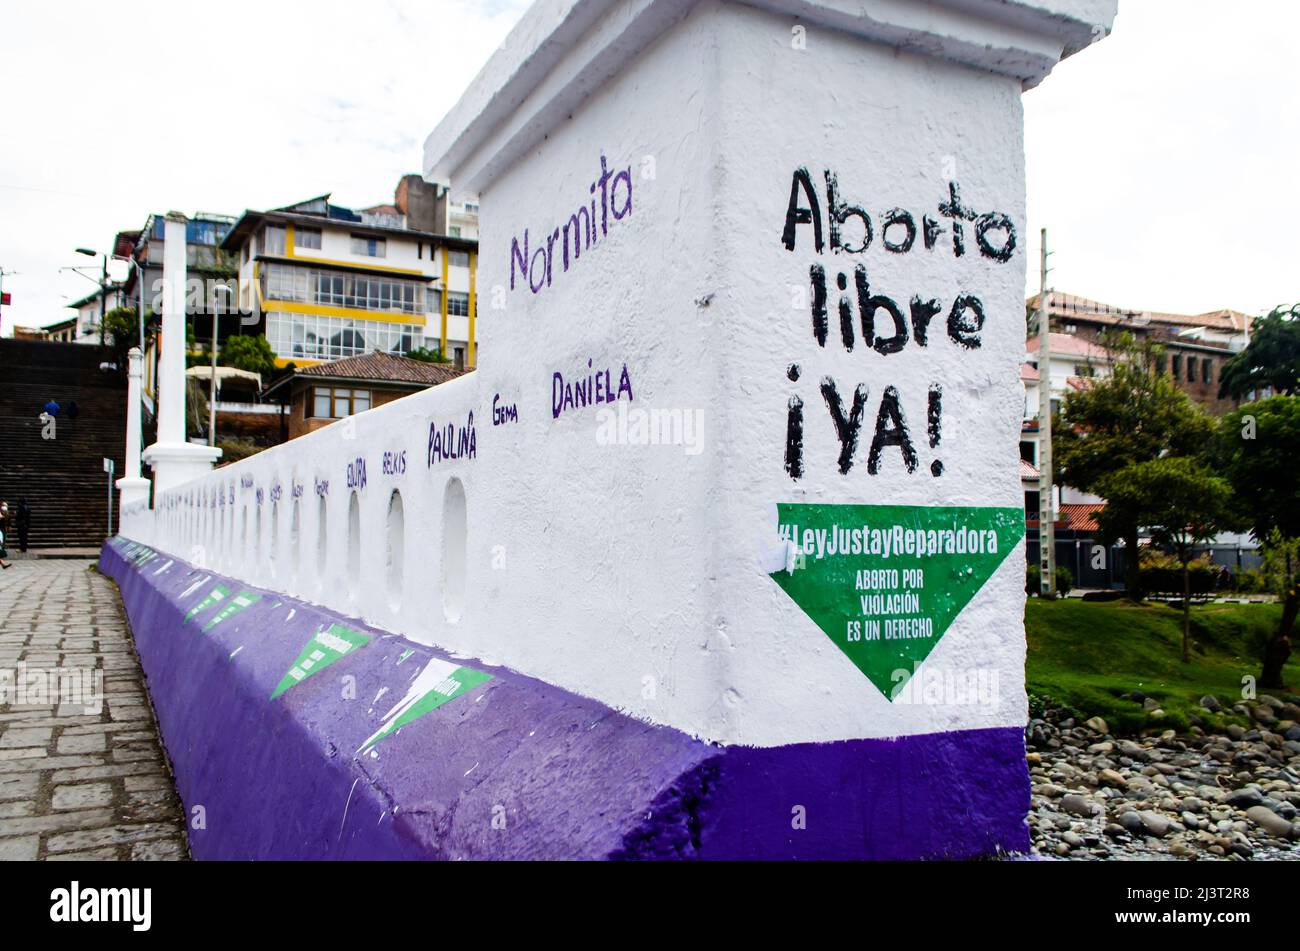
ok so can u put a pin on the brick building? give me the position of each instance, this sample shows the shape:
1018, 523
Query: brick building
1196, 345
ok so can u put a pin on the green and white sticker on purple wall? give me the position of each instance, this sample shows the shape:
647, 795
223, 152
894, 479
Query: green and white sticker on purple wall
438, 683
325, 647
885, 582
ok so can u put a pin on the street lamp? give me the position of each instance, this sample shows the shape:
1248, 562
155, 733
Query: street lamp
103, 289
212, 383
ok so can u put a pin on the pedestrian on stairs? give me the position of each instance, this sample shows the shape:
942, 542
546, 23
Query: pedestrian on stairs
23, 523
4, 523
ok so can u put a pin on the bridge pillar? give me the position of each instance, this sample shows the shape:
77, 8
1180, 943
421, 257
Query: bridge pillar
174, 460
131, 486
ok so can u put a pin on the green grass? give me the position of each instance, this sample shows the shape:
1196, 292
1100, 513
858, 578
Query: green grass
1088, 657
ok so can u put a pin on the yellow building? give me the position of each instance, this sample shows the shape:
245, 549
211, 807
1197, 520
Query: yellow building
325, 282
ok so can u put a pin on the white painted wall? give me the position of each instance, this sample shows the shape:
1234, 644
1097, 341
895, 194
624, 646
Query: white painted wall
638, 574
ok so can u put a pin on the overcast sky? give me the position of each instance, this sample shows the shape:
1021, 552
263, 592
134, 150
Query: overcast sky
1162, 161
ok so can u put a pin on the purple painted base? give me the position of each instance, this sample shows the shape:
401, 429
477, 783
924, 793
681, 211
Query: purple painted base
514, 768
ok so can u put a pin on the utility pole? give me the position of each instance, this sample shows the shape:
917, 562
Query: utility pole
103, 301
1046, 522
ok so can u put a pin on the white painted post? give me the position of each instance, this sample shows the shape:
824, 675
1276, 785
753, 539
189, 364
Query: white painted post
173, 459
132, 487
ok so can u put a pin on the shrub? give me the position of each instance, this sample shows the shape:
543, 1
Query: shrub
1163, 574
1034, 575
1064, 581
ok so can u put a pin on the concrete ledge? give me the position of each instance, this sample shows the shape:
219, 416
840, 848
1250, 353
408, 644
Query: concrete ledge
379, 748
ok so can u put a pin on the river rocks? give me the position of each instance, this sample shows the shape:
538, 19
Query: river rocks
1098, 725
1270, 822
1211, 703
1133, 751
1109, 777
1077, 805
1192, 796
1244, 798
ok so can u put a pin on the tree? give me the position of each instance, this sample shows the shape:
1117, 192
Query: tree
1135, 415
251, 353
425, 355
122, 328
1180, 501
1271, 359
1258, 450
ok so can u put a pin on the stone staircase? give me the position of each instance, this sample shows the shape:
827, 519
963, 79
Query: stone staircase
63, 478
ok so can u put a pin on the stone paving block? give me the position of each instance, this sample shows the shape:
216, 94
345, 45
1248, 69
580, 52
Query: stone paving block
49, 762
19, 787
57, 822
134, 756
25, 736
147, 781
157, 851
106, 854
20, 849
112, 835
18, 807
81, 743
106, 772
35, 752
82, 796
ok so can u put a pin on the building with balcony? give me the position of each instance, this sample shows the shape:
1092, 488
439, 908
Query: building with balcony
1196, 345
325, 282
89, 311
207, 267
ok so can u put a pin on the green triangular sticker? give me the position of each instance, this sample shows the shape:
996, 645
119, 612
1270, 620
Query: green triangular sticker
218, 594
438, 683
884, 582
322, 650
236, 604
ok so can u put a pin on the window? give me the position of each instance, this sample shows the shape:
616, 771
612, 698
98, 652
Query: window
454, 231
1191, 369
340, 289
1031, 504
307, 238
471, 208
273, 240
201, 232
1207, 371
369, 247
458, 258
458, 304
1028, 450
312, 337
1176, 366
459, 358
336, 402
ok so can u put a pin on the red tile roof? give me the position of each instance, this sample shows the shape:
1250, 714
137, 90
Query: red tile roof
1069, 344
1080, 516
1066, 306
1027, 471
384, 367
1075, 517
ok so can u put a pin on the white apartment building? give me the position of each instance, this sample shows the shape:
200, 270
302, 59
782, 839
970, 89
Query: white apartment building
327, 282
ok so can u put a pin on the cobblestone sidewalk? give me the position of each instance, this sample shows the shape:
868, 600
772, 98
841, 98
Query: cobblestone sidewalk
77, 782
